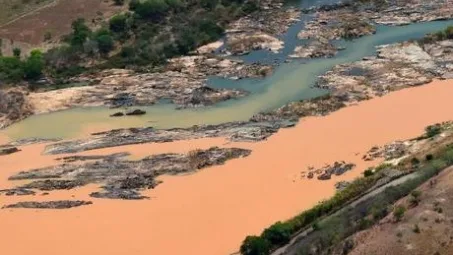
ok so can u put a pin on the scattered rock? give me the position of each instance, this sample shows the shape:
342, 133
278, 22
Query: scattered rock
390, 151
339, 186
314, 49
326, 172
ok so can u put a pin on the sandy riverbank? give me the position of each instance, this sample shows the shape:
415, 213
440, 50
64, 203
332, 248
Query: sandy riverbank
210, 212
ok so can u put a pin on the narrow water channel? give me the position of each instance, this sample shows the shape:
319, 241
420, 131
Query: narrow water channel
290, 82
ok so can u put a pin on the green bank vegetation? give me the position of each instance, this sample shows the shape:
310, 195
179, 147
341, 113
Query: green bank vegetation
335, 228
144, 37
445, 34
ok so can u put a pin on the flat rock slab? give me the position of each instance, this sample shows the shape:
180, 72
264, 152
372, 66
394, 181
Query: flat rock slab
62, 204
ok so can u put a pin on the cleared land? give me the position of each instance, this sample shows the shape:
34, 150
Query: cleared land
56, 19
12, 9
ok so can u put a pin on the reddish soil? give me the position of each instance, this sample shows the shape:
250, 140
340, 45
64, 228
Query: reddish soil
57, 19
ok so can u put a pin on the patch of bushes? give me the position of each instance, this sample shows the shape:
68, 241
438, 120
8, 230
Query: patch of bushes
255, 245
13, 69
398, 212
445, 34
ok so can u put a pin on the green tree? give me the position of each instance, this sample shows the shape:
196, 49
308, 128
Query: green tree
105, 43
34, 65
17, 52
80, 32
11, 69
278, 234
118, 23
433, 130
151, 9
255, 245
368, 172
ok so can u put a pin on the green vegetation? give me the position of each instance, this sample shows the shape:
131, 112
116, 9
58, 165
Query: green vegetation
369, 172
255, 245
13, 69
414, 200
398, 212
335, 228
445, 34
17, 52
311, 216
151, 32
279, 233
433, 130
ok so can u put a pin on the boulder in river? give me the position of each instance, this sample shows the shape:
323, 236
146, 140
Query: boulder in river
8, 150
135, 112
117, 114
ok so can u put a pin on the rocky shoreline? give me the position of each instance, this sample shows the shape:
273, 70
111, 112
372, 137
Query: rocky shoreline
395, 67
353, 19
121, 178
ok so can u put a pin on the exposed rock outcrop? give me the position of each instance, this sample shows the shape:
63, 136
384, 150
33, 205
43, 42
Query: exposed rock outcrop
235, 131
14, 106
123, 179
63, 204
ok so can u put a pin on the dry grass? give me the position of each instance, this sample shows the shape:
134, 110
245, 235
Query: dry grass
11, 9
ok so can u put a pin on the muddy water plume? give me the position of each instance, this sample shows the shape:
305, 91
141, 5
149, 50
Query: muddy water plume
210, 212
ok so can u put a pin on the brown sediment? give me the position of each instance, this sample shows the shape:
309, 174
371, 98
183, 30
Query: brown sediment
212, 211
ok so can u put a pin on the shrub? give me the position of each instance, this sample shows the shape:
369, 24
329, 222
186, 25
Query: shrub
118, 2
369, 172
433, 130
17, 52
11, 69
255, 245
118, 23
150, 9
278, 234
80, 32
105, 43
398, 212
34, 65
415, 197
415, 161
416, 229
429, 157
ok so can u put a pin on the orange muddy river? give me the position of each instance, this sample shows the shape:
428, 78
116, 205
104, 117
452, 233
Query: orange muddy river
210, 212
